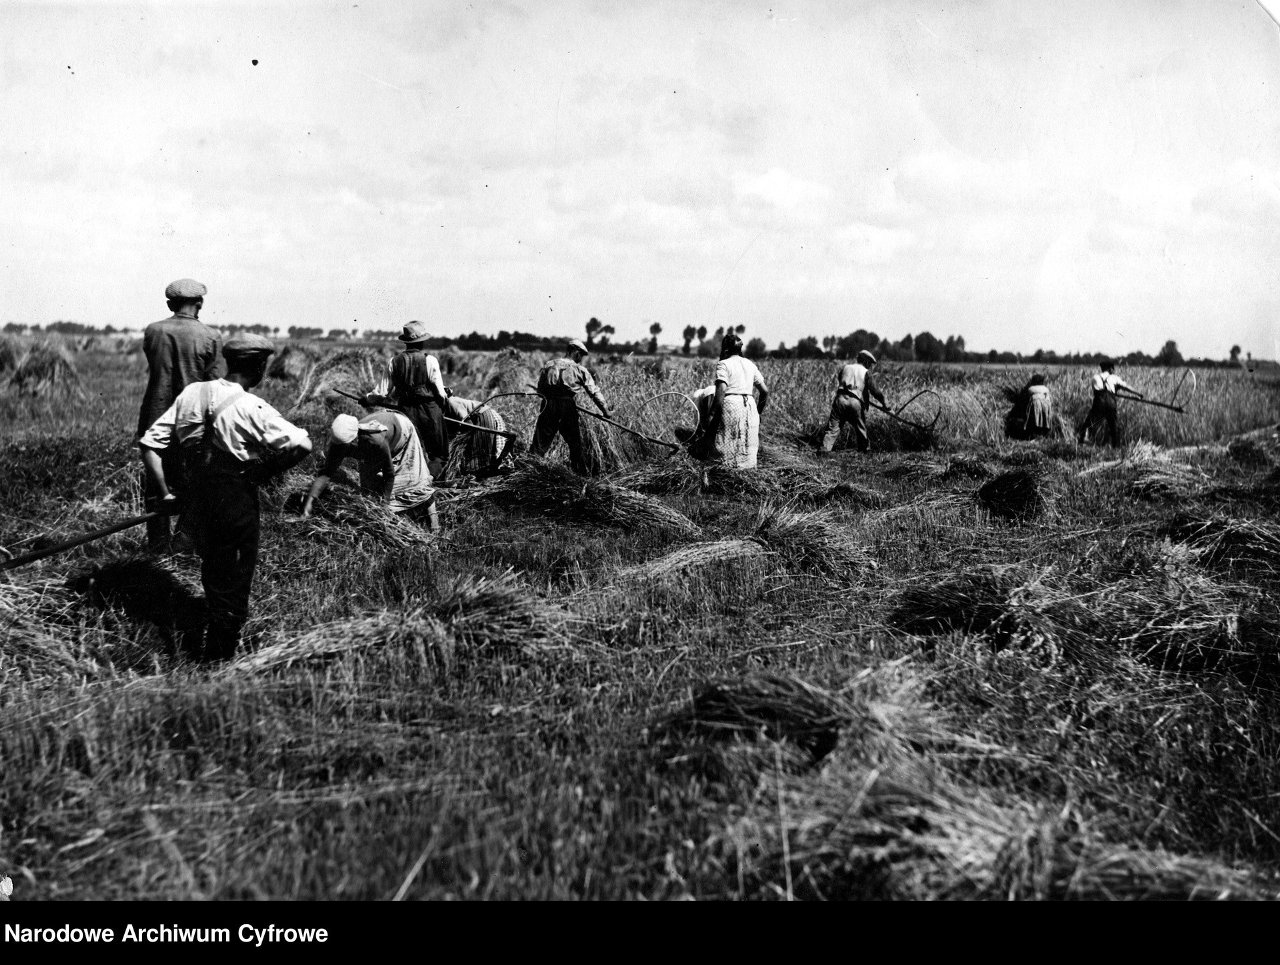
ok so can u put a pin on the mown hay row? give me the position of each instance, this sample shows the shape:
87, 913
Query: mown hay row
1229, 541
550, 488
695, 556
815, 541
470, 615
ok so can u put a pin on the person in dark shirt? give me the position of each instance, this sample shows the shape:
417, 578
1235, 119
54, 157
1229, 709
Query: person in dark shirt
560, 383
180, 350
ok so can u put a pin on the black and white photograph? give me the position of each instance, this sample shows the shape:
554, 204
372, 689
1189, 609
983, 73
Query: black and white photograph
576, 450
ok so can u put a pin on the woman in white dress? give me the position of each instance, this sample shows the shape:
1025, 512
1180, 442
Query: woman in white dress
735, 414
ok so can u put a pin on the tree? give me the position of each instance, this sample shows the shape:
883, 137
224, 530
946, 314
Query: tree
740, 329
605, 332
928, 348
1235, 354
1169, 354
702, 332
755, 349
654, 330
906, 348
593, 327
689, 334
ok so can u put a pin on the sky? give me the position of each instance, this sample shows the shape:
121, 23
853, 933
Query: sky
1028, 174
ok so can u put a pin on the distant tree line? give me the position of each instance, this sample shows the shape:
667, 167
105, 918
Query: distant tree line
698, 340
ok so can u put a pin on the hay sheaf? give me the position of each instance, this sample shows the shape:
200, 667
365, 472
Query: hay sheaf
344, 514
351, 370
549, 488
470, 615
1016, 495
1170, 482
1229, 541
885, 818
1164, 614
815, 540
46, 368
696, 556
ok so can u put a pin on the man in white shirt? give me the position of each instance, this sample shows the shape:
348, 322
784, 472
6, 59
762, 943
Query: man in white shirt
1102, 414
230, 442
854, 390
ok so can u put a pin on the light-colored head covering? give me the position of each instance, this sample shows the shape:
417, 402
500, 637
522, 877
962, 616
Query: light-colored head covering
245, 343
576, 345
185, 288
865, 356
344, 429
414, 332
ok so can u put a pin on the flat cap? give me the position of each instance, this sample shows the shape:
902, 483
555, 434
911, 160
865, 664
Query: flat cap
245, 343
185, 288
576, 345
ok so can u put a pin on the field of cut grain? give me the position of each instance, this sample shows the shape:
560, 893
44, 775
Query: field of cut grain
955, 667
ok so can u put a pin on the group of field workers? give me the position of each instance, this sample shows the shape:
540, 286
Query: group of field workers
207, 442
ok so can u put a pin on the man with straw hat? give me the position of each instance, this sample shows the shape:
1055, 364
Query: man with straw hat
180, 350
230, 441
560, 383
393, 467
854, 390
414, 384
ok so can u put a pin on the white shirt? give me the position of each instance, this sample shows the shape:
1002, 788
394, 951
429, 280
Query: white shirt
739, 375
1110, 382
247, 428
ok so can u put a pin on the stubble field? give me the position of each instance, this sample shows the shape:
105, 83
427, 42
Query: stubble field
955, 667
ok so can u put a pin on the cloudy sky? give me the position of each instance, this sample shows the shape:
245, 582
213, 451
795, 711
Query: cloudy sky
1026, 174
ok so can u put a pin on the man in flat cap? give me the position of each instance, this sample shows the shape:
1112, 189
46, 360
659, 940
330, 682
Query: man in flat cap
854, 390
180, 350
414, 385
560, 383
230, 441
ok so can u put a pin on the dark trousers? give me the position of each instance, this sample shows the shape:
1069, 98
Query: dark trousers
561, 416
1100, 423
846, 408
223, 508
428, 419
158, 530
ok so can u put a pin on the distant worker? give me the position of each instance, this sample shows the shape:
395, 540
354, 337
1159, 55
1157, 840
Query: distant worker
1037, 408
230, 442
1102, 414
854, 390
414, 384
482, 453
735, 414
180, 350
393, 466
560, 383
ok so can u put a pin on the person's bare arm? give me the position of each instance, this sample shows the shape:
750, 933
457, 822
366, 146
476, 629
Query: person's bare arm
333, 459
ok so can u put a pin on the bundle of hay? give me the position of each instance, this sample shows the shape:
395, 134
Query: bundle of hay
552, 489
11, 350
775, 706
696, 556
965, 466
1250, 452
1228, 540
1168, 481
1017, 495
976, 600
849, 494
293, 361
916, 468
470, 615
815, 541
40, 628
344, 514
509, 370
679, 475
353, 370
46, 367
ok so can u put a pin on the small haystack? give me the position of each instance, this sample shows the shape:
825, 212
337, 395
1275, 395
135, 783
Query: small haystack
46, 368
1169, 482
774, 706
1229, 541
550, 488
470, 615
344, 514
353, 370
815, 541
1016, 495
696, 556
